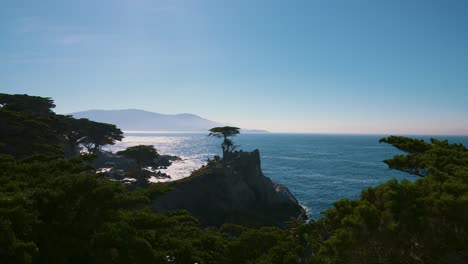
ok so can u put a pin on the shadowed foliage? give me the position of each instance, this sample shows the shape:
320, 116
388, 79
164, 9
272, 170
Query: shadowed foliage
144, 155
57, 210
30, 127
425, 221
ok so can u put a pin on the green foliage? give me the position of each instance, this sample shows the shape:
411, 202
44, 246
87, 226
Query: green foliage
30, 127
144, 155
409, 145
53, 212
30, 105
56, 210
99, 135
403, 222
264, 245
73, 132
424, 157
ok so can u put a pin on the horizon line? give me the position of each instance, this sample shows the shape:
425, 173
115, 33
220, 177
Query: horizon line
296, 133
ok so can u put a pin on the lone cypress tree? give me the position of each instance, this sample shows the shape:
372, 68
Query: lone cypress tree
225, 132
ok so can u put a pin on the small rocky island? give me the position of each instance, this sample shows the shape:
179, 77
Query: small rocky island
237, 193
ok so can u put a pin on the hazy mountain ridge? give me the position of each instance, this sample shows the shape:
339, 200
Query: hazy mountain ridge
141, 120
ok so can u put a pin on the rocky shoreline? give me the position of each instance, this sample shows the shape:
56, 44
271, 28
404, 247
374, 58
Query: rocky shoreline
238, 193
121, 168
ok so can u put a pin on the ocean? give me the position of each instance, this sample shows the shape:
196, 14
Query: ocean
317, 169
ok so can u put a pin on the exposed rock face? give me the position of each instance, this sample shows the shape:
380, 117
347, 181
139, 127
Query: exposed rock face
238, 194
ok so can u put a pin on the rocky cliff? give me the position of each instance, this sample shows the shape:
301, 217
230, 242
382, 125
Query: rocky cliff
239, 193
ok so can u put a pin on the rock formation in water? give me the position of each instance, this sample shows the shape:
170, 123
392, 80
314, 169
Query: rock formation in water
126, 170
239, 194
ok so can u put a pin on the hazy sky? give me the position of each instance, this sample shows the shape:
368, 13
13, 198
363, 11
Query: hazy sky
349, 66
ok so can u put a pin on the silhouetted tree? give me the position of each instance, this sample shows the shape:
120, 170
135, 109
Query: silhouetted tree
100, 134
31, 105
144, 155
28, 126
225, 132
74, 133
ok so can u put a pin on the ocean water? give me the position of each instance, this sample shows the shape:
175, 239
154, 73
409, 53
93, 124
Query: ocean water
317, 169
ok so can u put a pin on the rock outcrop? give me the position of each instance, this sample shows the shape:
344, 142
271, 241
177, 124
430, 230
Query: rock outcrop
239, 194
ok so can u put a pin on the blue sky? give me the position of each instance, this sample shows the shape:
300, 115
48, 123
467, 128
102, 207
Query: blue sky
331, 66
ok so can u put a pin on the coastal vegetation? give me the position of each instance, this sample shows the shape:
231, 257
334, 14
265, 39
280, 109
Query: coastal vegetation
30, 127
144, 156
54, 207
238, 193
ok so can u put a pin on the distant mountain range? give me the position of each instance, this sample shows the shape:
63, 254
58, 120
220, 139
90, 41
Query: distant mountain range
140, 120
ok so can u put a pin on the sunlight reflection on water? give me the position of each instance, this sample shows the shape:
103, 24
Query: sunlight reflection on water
193, 149
317, 169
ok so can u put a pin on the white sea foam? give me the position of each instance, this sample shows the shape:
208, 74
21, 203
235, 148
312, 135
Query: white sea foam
317, 169
193, 150
179, 169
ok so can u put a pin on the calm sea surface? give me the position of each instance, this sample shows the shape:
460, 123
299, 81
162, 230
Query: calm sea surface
318, 169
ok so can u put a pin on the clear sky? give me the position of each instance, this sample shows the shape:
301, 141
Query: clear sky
331, 66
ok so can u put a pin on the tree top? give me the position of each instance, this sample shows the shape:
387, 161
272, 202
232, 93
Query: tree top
226, 131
